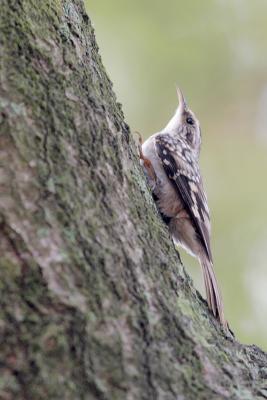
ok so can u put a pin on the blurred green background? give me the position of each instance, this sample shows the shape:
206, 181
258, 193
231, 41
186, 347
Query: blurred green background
216, 51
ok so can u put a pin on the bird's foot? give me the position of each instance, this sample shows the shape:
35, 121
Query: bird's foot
146, 163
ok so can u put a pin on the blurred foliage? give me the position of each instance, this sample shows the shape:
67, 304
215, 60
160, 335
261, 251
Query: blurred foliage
215, 50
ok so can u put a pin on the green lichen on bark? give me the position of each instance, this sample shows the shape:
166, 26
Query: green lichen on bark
94, 301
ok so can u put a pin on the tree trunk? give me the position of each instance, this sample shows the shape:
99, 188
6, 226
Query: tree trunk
95, 303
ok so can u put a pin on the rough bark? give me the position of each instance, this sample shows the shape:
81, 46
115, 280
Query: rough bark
94, 301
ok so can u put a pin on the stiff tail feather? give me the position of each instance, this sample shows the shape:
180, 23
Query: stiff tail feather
214, 298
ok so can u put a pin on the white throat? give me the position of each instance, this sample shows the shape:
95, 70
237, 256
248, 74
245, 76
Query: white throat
174, 122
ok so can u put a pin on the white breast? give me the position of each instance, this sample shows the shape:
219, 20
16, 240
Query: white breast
149, 152
169, 202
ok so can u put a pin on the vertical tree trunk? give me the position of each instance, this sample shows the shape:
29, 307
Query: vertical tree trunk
94, 301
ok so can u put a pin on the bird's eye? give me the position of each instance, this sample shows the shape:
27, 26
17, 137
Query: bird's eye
190, 121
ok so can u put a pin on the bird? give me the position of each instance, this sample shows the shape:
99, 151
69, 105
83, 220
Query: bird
170, 160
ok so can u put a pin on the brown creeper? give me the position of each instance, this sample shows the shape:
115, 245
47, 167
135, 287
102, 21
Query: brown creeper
170, 160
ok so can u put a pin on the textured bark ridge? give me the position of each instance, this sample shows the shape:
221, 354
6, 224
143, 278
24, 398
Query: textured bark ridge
94, 301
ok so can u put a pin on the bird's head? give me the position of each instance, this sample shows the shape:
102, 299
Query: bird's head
185, 125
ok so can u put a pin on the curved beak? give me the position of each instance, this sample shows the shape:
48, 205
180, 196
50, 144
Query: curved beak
182, 102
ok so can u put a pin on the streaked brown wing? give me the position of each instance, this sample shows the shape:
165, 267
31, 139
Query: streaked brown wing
185, 177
